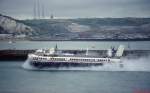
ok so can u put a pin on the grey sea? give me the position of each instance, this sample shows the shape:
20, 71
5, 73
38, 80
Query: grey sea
134, 77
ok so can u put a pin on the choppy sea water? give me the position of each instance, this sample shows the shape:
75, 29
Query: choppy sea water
133, 77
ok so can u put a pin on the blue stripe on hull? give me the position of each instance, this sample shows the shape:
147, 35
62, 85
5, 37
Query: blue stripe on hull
62, 64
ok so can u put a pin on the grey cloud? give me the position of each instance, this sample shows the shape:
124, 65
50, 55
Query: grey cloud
79, 8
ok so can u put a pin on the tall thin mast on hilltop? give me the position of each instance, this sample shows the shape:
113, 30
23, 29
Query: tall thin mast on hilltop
43, 12
38, 8
34, 10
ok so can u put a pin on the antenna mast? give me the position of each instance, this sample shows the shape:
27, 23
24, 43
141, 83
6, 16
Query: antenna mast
38, 9
34, 10
43, 12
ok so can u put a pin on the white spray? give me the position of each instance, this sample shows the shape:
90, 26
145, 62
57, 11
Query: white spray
26, 65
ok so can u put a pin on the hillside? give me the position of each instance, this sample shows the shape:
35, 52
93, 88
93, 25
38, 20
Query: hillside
12, 28
94, 28
77, 29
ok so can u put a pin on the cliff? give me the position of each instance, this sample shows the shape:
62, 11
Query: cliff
10, 26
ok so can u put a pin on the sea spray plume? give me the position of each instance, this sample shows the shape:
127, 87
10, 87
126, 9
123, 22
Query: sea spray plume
139, 64
26, 65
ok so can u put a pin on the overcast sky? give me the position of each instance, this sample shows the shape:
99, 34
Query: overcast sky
23, 9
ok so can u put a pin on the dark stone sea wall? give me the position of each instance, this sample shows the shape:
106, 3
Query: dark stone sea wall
14, 54
9, 55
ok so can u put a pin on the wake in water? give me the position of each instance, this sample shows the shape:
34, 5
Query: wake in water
140, 64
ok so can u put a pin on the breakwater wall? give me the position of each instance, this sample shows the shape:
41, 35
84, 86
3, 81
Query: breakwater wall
14, 54
22, 54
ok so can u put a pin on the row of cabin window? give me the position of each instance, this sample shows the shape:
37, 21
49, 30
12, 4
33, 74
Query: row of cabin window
36, 58
90, 60
63, 59
103, 59
58, 59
